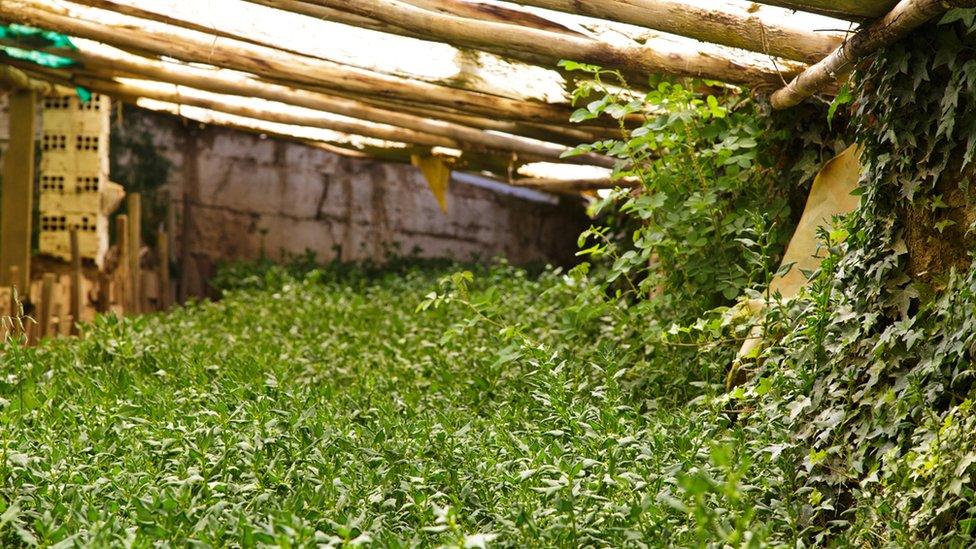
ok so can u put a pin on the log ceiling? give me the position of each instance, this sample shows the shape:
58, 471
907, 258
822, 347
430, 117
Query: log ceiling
477, 76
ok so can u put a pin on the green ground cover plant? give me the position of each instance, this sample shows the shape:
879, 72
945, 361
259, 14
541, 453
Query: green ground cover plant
468, 406
326, 409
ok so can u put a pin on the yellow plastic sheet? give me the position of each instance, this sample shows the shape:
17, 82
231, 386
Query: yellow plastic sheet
437, 172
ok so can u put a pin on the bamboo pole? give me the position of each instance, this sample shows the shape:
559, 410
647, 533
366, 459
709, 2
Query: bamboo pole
75, 300
134, 211
162, 250
46, 305
734, 23
194, 47
273, 112
16, 200
898, 23
640, 59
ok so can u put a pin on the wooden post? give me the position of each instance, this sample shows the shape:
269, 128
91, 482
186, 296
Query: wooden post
46, 305
134, 208
162, 248
104, 293
57, 319
18, 190
15, 291
75, 302
122, 271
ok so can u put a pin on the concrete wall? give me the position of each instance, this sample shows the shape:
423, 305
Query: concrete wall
246, 195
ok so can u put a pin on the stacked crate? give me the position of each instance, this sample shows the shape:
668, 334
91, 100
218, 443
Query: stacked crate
73, 175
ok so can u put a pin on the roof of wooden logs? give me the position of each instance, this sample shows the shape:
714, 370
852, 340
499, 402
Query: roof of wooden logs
471, 78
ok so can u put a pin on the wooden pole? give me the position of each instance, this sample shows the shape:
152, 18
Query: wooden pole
162, 249
166, 40
470, 9
853, 10
572, 185
75, 300
476, 139
122, 278
104, 293
898, 23
47, 303
13, 78
134, 210
648, 58
104, 66
16, 198
734, 23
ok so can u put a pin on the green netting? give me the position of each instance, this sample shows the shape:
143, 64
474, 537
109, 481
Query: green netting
30, 40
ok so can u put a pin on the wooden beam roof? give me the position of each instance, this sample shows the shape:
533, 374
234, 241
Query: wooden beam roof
140, 51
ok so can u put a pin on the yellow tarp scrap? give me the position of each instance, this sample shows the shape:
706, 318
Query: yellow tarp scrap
830, 196
437, 172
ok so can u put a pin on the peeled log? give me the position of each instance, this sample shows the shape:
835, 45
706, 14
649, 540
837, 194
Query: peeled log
273, 112
853, 10
903, 19
166, 40
283, 5
640, 59
124, 64
733, 23
14, 78
571, 185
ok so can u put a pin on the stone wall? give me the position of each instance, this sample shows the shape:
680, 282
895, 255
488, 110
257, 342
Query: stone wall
237, 195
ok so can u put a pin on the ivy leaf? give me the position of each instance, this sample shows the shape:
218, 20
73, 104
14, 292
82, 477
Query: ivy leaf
843, 97
944, 224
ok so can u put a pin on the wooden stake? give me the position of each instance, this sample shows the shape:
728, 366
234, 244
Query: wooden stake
162, 249
16, 202
16, 294
47, 303
134, 210
104, 293
57, 319
75, 300
122, 271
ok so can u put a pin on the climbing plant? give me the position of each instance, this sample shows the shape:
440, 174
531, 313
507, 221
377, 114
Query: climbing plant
139, 166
